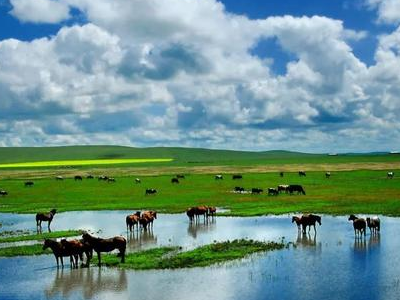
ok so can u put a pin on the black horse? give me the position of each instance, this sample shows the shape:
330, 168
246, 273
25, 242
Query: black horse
150, 191
174, 180
310, 220
237, 176
47, 217
29, 183
302, 173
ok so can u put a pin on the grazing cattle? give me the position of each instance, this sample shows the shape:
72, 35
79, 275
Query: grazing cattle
296, 188
327, 174
90, 177
3, 193
310, 220
390, 175
298, 222
148, 217
58, 250
283, 188
133, 220
359, 225
137, 180
174, 180
212, 210
59, 178
180, 176
78, 177
29, 183
237, 176
281, 174
150, 191
106, 245
239, 189
273, 192
256, 191
374, 224
103, 178
111, 179
219, 177
302, 173
47, 217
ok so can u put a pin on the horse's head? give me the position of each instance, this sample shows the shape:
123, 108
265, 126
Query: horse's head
155, 214
368, 221
46, 244
318, 219
53, 211
294, 219
352, 218
86, 237
137, 213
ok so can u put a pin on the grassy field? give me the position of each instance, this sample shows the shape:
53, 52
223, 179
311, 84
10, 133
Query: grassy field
362, 191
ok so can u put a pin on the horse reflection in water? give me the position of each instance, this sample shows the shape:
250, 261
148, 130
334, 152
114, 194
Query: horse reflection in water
308, 240
90, 282
141, 238
198, 228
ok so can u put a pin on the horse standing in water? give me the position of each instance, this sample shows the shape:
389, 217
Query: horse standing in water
298, 222
310, 220
58, 250
106, 245
47, 217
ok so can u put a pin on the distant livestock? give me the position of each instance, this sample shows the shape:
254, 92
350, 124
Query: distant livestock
103, 178
78, 177
374, 224
174, 180
89, 177
295, 188
180, 176
239, 189
359, 225
283, 188
137, 180
29, 183
219, 177
281, 174
59, 178
111, 179
256, 191
237, 176
327, 174
150, 191
302, 173
390, 175
3, 193
273, 192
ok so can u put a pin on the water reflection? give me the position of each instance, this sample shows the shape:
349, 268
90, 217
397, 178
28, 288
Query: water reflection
90, 282
136, 239
360, 244
197, 228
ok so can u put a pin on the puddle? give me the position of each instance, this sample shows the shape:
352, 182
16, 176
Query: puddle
330, 265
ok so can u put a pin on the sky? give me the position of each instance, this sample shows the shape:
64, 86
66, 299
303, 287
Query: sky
313, 75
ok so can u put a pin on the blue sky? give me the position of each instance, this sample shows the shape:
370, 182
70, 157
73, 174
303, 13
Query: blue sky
316, 76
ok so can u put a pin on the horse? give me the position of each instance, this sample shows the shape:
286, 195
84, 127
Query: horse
302, 173
281, 174
219, 177
237, 176
256, 191
273, 192
103, 178
298, 222
59, 178
106, 245
132, 220
310, 220
390, 175
359, 225
190, 212
58, 250
296, 188
174, 180
29, 183
76, 249
212, 210
89, 177
283, 188
150, 191
374, 224
78, 177
3, 193
47, 217
137, 180
149, 216
239, 189
328, 175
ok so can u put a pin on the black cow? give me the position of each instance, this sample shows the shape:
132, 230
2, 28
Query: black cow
256, 191
3, 193
237, 176
239, 189
218, 177
174, 180
273, 192
29, 183
296, 188
327, 174
78, 177
151, 191
281, 174
302, 173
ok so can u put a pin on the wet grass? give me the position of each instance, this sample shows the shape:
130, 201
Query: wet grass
26, 250
362, 191
41, 236
169, 258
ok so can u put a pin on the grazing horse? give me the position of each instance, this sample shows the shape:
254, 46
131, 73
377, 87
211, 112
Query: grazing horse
47, 217
302, 173
359, 225
3, 193
237, 176
149, 217
310, 220
374, 224
273, 192
29, 183
298, 222
174, 180
219, 177
390, 175
137, 180
58, 250
106, 245
59, 178
328, 175
78, 177
150, 191
133, 220
256, 191
296, 188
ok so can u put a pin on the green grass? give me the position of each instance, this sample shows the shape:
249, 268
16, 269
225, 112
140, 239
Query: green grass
200, 257
42, 236
345, 192
88, 162
23, 251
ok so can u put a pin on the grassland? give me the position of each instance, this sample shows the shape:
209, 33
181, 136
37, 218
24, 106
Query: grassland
362, 191
28, 250
40, 237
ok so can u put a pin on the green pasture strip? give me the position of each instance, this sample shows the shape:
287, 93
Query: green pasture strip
42, 236
57, 163
28, 250
200, 257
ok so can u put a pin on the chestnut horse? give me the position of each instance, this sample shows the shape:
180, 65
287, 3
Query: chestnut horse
47, 217
76, 248
106, 245
58, 250
359, 225
133, 220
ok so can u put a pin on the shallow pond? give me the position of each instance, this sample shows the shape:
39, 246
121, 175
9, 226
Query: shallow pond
329, 265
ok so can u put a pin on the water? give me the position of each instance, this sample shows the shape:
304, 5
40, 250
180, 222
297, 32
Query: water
329, 265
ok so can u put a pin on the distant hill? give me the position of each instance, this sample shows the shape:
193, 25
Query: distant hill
181, 156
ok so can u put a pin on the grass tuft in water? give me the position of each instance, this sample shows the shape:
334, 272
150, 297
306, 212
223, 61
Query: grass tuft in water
28, 250
41, 236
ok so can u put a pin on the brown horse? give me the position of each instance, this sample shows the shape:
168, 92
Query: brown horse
374, 224
106, 245
310, 220
359, 225
212, 210
298, 222
133, 220
148, 218
58, 250
76, 248
47, 217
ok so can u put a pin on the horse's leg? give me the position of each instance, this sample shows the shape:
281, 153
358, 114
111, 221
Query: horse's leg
48, 226
99, 258
62, 261
122, 252
57, 260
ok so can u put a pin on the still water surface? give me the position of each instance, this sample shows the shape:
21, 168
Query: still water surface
329, 265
